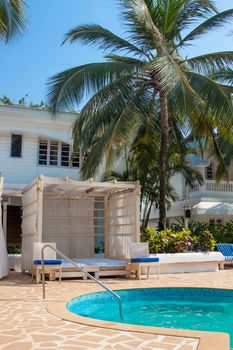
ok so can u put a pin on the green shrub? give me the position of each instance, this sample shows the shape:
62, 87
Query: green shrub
221, 233
13, 248
177, 241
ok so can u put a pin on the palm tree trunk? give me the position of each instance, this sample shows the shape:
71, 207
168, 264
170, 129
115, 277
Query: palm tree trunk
163, 159
144, 215
148, 215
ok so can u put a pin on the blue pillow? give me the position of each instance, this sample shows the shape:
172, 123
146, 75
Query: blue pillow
48, 262
146, 259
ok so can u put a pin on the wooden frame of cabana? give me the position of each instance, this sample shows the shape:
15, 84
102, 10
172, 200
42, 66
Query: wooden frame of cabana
76, 214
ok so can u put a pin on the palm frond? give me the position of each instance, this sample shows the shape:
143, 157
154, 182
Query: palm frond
213, 23
124, 59
113, 137
215, 99
173, 17
216, 147
103, 38
12, 19
67, 89
149, 126
225, 149
141, 24
95, 156
168, 74
223, 76
100, 110
212, 62
192, 10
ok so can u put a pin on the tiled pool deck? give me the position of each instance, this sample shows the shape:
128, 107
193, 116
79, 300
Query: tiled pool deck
25, 323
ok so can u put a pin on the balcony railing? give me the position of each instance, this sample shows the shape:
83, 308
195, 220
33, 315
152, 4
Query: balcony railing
213, 186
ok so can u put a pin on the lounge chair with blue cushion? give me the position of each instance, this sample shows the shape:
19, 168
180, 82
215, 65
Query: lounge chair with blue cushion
227, 250
51, 267
140, 257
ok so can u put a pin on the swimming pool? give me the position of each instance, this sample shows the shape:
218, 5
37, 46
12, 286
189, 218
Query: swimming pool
203, 309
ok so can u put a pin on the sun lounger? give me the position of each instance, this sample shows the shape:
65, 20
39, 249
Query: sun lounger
227, 250
140, 258
51, 268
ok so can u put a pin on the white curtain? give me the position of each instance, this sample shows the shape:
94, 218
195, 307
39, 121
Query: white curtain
31, 201
4, 267
123, 225
70, 224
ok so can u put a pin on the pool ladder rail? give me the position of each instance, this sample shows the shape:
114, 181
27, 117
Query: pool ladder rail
79, 268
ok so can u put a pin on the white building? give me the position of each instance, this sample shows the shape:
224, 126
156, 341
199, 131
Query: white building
212, 202
32, 143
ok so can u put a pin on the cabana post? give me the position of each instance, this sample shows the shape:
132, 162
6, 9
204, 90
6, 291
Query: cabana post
4, 267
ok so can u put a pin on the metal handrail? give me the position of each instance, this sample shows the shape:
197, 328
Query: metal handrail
80, 268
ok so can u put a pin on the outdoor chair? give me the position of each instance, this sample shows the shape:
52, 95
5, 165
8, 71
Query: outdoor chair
227, 250
139, 258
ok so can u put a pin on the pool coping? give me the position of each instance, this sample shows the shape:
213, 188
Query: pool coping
207, 340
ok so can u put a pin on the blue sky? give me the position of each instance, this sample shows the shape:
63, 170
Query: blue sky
26, 63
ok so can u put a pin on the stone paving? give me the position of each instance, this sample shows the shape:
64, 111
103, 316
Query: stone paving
25, 323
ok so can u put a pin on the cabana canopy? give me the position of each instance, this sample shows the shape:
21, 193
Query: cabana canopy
82, 217
3, 252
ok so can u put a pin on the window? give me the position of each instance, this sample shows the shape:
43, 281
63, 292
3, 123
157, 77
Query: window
75, 159
215, 221
53, 153
209, 172
16, 146
43, 149
65, 154
57, 153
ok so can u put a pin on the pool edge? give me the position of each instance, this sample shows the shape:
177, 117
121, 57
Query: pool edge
207, 340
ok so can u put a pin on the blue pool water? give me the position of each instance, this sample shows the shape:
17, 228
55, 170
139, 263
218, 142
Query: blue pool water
185, 308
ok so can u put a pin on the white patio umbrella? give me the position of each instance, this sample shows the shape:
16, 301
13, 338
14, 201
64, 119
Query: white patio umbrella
4, 267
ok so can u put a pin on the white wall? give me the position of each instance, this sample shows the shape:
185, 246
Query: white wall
177, 182
32, 125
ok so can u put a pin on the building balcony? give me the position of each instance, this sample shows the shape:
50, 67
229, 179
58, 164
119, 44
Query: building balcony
211, 186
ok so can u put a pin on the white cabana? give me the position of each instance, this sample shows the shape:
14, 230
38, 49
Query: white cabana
4, 269
77, 215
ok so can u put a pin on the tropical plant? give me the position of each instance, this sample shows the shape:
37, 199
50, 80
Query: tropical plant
13, 248
22, 102
5, 101
177, 241
145, 80
220, 233
12, 19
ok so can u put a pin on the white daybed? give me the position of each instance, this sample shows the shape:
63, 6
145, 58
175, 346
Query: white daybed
188, 262
98, 266
77, 214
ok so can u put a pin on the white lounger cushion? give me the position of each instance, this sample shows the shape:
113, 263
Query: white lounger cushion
188, 257
98, 262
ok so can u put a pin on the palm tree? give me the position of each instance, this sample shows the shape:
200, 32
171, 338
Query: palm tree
145, 78
12, 19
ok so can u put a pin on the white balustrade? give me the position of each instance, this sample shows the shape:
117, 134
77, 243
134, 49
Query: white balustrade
213, 186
